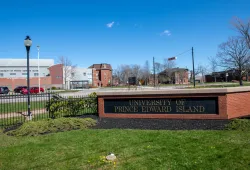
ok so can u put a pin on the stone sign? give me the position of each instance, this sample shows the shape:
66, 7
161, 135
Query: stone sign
198, 105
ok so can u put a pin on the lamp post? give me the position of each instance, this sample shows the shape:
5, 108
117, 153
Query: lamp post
38, 65
28, 43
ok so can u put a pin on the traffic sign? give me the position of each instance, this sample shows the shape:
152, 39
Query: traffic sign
172, 58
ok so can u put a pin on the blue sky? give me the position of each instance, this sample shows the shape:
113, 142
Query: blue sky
118, 31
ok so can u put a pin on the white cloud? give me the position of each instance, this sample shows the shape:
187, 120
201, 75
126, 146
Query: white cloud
166, 32
110, 25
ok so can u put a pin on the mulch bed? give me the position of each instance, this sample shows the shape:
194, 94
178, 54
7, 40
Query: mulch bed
158, 124
151, 124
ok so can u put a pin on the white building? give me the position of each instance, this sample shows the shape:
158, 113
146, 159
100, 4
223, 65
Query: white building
17, 68
77, 77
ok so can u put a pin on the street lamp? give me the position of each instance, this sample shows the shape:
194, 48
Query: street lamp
28, 43
38, 65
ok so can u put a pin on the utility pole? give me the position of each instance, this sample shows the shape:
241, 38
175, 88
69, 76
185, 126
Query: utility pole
154, 69
193, 65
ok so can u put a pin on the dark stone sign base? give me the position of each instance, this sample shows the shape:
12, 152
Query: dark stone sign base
185, 104
208, 105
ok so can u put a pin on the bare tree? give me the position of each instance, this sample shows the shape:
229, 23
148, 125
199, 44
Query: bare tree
167, 64
118, 74
167, 67
68, 69
243, 28
234, 54
146, 72
136, 71
201, 70
197, 71
158, 67
213, 66
123, 72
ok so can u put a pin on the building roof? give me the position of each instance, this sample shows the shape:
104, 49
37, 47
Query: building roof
103, 66
23, 62
172, 70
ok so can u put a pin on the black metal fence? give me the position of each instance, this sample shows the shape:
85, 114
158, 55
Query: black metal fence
14, 108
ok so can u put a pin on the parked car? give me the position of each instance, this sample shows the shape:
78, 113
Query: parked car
33, 90
4, 90
19, 89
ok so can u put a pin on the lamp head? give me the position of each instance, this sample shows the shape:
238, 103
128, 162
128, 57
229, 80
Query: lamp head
27, 41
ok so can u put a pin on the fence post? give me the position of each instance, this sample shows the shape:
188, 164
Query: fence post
49, 105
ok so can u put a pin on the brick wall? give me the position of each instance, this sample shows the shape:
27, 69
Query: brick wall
45, 82
95, 77
238, 104
106, 77
181, 77
101, 77
56, 74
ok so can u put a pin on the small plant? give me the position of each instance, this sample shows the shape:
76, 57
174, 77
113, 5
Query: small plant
239, 124
53, 88
59, 107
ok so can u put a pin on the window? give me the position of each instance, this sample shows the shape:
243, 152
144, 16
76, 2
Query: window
12, 74
24, 73
24, 70
72, 74
35, 70
58, 77
1, 74
84, 74
17, 70
36, 74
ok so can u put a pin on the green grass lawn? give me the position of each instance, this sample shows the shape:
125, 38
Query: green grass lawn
67, 91
135, 149
219, 86
21, 106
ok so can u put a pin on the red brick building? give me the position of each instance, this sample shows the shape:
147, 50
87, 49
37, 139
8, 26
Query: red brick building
56, 74
55, 78
173, 76
101, 75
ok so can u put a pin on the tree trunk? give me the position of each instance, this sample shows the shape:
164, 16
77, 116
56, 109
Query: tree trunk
241, 76
241, 82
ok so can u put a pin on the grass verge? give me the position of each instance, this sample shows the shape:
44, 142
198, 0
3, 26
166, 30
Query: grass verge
239, 124
21, 106
67, 91
34, 128
135, 149
222, 85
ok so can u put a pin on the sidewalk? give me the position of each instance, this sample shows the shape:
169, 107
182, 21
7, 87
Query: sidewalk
16, 114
